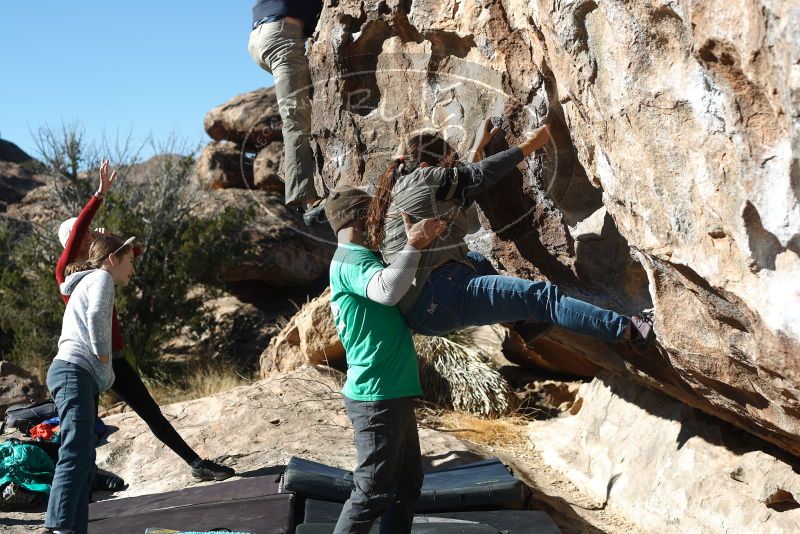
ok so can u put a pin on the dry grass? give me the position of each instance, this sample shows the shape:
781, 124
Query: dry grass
507, 433
199, 382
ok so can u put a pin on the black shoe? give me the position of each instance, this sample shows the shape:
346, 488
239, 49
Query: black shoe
642, 332
107, 482
208, 470
315, 215
14, 497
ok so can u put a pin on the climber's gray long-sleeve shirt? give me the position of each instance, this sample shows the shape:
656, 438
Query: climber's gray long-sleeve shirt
86, 328
443, 193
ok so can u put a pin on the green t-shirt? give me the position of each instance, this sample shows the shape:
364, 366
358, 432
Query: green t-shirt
381, 359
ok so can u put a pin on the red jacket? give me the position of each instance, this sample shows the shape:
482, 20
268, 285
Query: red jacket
68, 256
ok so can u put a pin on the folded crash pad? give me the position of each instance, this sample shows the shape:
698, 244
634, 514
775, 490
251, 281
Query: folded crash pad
213, 493
269, 514
479, 484
506, 521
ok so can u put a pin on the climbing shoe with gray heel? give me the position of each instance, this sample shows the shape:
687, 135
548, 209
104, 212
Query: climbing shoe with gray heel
642, 332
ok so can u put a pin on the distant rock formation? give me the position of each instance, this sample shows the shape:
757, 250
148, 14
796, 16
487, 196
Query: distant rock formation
16, 179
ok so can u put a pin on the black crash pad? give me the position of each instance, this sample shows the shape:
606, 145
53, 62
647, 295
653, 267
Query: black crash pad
479, 484
506, 521
213, 493
269, 514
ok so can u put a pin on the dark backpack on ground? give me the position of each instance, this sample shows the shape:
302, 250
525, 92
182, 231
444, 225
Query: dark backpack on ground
26, 416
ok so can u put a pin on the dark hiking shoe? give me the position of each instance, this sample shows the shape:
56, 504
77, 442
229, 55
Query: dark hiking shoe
15, 497
208, 470
107, 482
315, 215
642, 332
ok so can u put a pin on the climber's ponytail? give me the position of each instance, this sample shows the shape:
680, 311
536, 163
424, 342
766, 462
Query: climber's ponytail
376, 213
101, 249
421, 148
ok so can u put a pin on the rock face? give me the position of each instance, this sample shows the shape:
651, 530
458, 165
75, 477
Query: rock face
679, 120
686, 473
310, 338
283, 251
17, 386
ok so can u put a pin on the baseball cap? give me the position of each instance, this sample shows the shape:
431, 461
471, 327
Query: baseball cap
65, 229
344, 205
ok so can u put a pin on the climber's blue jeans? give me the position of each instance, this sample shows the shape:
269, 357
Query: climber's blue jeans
456, 296
73, 390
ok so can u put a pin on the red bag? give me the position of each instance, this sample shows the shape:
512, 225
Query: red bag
44, 431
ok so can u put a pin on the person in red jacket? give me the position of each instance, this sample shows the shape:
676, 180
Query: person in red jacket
76, 238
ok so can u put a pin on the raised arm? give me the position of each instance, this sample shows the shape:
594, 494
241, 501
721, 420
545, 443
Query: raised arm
467, 182
84, 220
391, 283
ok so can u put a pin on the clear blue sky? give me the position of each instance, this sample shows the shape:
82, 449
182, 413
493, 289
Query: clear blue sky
146, 66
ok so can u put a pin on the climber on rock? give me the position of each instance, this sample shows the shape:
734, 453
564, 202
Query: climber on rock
277, 45
454, 287
382, 373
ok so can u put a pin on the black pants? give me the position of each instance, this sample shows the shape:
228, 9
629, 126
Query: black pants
129, 386
389, 475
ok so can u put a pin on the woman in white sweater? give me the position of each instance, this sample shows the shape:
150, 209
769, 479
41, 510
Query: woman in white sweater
81, 370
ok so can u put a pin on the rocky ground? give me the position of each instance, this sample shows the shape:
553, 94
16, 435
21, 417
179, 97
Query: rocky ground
254, 427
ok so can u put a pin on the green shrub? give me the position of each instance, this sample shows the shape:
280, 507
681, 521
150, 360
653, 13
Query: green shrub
181, 248
31, 309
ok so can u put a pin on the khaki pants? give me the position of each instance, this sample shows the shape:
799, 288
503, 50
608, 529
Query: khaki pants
279, 48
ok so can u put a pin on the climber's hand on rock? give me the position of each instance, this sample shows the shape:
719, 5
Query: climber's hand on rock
536, 140
485, 133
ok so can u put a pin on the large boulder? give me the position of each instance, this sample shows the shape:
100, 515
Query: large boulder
281, 250
518, 351
17, 386
665, 466
251, 119
221, 165
309, 338
237, 332
672, 180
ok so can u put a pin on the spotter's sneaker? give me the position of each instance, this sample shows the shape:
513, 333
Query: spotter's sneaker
208, 470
